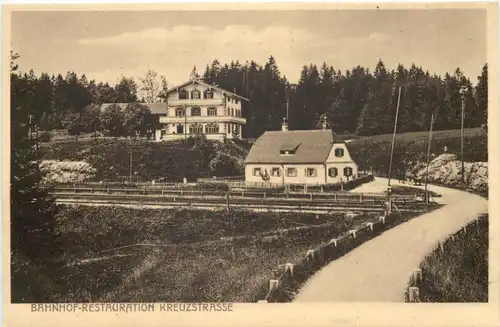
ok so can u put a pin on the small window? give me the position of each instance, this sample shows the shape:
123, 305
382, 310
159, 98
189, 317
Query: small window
333, 172
232, 112
195, 94
212, 111
179, 112
208, 94
212, 129
183, 95
339, 152
310, 172
195, 111
347, 171
236, 101
275, 172
196, 129
256, 172
291, 172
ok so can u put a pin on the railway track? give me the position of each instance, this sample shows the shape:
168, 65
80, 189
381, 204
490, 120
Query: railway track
319, 205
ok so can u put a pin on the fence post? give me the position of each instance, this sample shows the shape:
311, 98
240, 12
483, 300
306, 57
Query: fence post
289, 267
310, 254
273, 284
353, 233
413, 293
370, 224
310, 196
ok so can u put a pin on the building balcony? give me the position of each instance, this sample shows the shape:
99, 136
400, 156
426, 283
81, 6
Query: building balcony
195, 102
202, 119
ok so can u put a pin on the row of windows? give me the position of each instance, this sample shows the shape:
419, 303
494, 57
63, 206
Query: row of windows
195, 111
195, 94
198, 129
235, 112
309, 172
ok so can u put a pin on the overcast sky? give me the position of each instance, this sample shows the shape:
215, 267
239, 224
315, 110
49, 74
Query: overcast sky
105, 45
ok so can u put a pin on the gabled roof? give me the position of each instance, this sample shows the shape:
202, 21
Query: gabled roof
313, 146
175, 88
156, 108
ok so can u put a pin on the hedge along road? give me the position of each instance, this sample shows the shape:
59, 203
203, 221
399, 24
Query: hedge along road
379, 269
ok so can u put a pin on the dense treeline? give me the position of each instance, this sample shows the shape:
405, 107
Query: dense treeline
357, 101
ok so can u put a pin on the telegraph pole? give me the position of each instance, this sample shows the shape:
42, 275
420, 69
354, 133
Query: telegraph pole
30, 124
394, 136
389, 190
130, 168
462, 93
428, 158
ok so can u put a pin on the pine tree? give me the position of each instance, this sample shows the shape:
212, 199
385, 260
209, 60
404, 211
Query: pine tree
34, 240
481, 97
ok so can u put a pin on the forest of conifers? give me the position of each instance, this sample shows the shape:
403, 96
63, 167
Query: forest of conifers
359, 101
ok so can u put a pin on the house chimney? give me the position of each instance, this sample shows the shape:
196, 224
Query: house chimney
324, 125
284, 125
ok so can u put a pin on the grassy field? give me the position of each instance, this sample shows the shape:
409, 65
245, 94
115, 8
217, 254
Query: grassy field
460, 273
171, 161
410, 148
185, 255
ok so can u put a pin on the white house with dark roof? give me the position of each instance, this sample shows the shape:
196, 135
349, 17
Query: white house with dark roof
195, 108
314, 157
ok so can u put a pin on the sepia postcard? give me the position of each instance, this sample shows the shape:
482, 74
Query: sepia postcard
251, 164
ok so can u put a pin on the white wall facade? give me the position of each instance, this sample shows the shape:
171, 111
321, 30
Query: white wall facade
321, 177
228, 114
283, 178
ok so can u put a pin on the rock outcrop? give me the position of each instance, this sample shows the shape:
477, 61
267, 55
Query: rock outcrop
446, 169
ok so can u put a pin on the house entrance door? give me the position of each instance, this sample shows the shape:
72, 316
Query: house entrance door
180, 129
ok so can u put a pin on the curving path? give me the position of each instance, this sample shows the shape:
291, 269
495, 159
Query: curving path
379, 269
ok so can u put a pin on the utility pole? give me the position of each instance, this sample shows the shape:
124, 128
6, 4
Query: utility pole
394, 136
389, 190
30, 124
428, 158
462, 93
130, 168
185, 124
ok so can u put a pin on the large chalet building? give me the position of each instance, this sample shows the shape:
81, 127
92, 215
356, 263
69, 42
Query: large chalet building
195, 108
313, 157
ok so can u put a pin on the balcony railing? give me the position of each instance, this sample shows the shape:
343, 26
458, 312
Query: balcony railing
202, 119
195, 102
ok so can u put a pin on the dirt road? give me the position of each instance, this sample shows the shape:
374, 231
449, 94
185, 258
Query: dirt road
379, 269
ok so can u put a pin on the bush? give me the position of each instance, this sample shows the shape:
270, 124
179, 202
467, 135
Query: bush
45, 137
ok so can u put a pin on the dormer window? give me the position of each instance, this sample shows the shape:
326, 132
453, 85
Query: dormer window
289, 149
183, 95
208, 94
339, 152
195, 94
